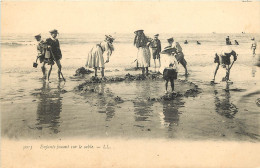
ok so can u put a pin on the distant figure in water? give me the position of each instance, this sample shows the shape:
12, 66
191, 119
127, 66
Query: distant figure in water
198, 43
228, 42
178, 54
253, 45
185, 42
236, 42
156, 49
223, 59
141, 42
96, 55
40, 54
170, 71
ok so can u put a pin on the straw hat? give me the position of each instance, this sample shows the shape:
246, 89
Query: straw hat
138, 31
54, 31
170, 39
109, 38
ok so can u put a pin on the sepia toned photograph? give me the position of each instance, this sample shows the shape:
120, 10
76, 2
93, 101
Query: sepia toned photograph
126, 73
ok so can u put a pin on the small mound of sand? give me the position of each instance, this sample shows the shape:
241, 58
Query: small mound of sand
82, 71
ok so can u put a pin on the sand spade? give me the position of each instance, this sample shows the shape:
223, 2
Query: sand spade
57, 65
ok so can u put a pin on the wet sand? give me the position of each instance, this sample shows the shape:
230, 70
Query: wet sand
127, 109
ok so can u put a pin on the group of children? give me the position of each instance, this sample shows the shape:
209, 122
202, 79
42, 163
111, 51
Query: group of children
172, 56
49, 53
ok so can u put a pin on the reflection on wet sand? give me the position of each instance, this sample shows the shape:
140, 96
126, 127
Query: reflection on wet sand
49, 108
171, 115
142, 108
223, 106
104, 104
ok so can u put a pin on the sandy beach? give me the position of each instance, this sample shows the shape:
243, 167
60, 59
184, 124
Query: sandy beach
129, 109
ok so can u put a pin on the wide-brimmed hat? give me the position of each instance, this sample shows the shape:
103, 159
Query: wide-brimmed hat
109, 37
38, 35
170, 39
253, 38
54, 31
138, 31
156, 35
168, 50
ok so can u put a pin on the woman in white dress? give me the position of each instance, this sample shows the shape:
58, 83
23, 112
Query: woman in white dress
143, 55
98, 52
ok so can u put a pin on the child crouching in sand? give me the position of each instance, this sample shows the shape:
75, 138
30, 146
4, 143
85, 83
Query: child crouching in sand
170, 67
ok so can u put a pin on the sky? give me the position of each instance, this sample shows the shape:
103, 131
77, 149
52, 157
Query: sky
126, 17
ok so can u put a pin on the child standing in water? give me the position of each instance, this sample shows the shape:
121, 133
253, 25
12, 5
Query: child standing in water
170, 70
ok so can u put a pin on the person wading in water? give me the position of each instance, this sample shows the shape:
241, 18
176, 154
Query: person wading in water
53, 52
156, 49
141, 42
253, 45
223, 59
98, 52
41, 53
170, 71
179, 54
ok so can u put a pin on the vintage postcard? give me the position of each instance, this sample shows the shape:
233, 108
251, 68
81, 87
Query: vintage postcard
130, 84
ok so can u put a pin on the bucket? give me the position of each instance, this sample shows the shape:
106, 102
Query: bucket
35, 64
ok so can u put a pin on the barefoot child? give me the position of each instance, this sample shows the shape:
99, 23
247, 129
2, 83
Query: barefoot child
98, 54
41, 52
178, 54
223, 58
53, 53
170, 70
156, 49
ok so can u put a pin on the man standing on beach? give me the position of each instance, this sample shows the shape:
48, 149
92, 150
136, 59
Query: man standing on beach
156, 49
41, 52
53, 46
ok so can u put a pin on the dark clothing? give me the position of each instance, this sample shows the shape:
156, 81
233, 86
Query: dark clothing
141, 41
156, 48
180, 58
226, 58
169, 74
55, 48
228, 42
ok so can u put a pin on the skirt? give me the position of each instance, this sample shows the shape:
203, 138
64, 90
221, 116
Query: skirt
95, 58
143, 57
169, 74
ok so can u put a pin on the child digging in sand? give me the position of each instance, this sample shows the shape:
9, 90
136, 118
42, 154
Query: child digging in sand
170, 70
